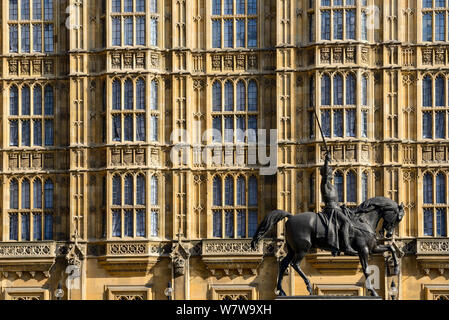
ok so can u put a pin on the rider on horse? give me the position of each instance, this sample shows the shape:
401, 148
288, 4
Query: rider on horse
336, 216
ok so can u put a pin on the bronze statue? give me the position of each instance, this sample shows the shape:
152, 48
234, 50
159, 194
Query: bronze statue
337, 218
321, 230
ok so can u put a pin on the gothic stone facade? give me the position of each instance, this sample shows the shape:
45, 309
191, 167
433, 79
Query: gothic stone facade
92, 90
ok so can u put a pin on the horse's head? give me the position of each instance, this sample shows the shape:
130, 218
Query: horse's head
392, 215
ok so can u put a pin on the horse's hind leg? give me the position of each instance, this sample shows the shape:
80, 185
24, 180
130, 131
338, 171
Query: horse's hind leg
296, 264
282, 267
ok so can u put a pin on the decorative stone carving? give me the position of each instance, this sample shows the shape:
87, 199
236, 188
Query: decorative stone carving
228, 62
37, 66
13, 67
365, 54
216, 62
325, 55
350, 54
240, 62
180, 255
440, 56
155, 60
252, 62
116, 60
338, 55
128, 60
427, 56
25, 67
48, 66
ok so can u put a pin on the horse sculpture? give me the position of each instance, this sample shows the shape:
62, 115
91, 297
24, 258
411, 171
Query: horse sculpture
301, 235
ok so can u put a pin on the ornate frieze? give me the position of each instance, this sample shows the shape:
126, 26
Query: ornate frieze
30, 160
131, 60
30, 67
434, 154
234, 62
126, 156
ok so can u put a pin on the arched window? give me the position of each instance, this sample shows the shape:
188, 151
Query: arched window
140, 189
128, 190
116, 190
241, 198
428, 222
13, 101
216, 96
252, 191
229, 191
312, 188
241, 224
217, 191
325, 90
25, 194
427, 91
338, 182
37, 194
37, 100
351, 187
252, 96
428, 188
364, 91
241, 96
140, 6
441, 188
312, 91
350, 89
129, 95
25, 100
364, 186
14, 194
48, 193
154, 95
338, 90
229, 96
439, 92
154, 191
116, 95
49, 101
140, 94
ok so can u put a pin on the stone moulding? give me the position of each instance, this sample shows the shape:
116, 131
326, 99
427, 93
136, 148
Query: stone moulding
433, 253
27, 257
325, 263
130, 257
234, 255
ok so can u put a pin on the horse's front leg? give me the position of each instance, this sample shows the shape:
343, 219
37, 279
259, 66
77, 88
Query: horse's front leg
363, 256
381, 248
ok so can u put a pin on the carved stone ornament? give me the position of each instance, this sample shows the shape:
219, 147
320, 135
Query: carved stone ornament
180, 255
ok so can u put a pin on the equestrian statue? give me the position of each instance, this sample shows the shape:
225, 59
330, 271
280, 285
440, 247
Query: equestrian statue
336, 229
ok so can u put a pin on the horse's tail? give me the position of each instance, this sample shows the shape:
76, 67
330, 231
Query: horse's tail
270, 220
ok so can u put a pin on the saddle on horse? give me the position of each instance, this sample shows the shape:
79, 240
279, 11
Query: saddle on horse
328, 225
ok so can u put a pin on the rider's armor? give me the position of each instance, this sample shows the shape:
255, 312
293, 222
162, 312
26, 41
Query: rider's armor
333, 211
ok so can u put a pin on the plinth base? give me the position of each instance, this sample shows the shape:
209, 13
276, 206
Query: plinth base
329, 298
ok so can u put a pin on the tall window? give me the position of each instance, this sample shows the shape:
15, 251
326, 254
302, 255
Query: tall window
338, 116
33, 123
435, 204
434, 20
129, 210
128, 112
435, 107
234, 216
129, 23
237, 23
235, 120
342, 16
25, 29
31, 218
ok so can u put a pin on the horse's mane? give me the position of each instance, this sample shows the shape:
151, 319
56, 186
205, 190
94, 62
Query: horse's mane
376, 203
